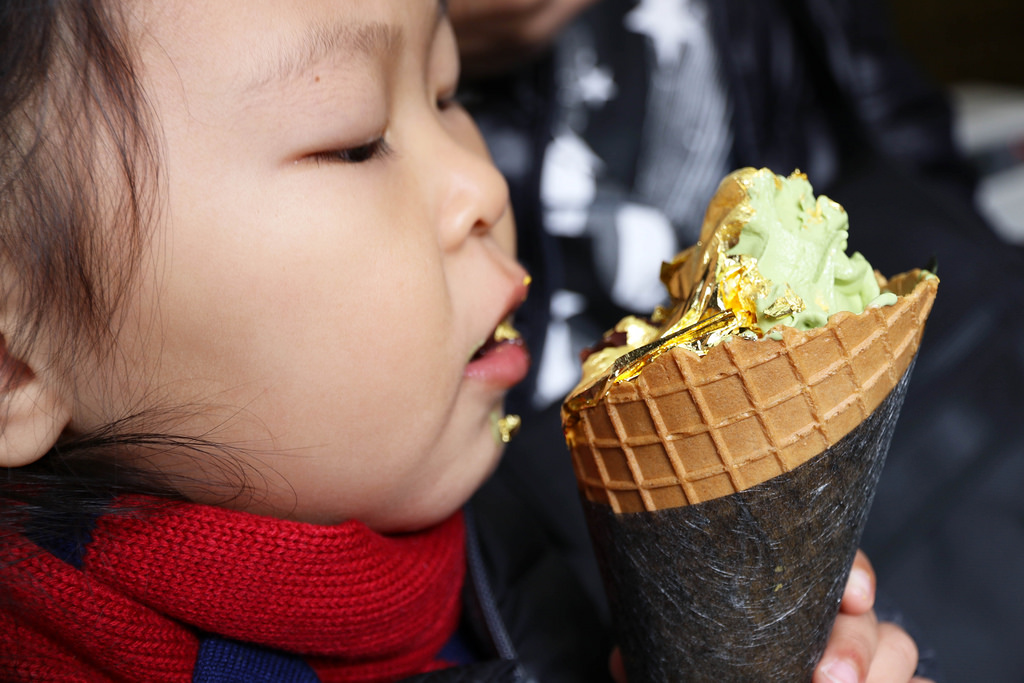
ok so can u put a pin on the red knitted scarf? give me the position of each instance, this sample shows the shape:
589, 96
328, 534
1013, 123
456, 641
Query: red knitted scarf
358, 606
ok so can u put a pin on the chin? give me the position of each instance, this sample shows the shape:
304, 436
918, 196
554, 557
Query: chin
446, 498
413, 520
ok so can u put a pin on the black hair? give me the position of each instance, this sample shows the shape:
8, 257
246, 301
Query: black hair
69, 101
72, 112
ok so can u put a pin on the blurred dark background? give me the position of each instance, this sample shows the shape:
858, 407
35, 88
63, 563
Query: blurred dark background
975, 48
964, 40
953, 546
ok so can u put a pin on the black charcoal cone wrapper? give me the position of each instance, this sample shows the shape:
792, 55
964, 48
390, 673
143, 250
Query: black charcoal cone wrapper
745, 587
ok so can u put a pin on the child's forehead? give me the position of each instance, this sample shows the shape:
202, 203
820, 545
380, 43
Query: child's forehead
241, 47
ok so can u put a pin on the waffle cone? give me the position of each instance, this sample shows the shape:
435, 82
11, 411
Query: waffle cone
690, 429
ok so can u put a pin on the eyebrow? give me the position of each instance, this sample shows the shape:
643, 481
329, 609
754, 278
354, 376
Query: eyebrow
324, 41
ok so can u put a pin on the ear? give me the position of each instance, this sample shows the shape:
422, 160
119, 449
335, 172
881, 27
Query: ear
33, 411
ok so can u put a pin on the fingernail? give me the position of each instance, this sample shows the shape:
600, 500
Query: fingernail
840, 671
860, 584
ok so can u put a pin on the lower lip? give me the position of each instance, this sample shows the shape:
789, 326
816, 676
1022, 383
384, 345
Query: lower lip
505, 365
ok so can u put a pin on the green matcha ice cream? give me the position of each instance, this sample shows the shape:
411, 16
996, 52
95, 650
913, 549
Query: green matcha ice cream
770, 254
799, 245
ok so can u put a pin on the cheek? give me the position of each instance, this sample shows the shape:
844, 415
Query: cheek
375, 335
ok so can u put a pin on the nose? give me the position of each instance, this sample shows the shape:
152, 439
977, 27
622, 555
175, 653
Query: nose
474, 194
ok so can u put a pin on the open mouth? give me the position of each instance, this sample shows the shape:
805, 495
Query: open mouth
505, 333
501, 361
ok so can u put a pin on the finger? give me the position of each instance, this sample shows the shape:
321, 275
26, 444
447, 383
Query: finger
896, 656
859, 594
850, 650
616, 667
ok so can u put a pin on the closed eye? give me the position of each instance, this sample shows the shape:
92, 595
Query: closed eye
375, 149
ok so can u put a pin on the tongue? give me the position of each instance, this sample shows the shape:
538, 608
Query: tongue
488, 346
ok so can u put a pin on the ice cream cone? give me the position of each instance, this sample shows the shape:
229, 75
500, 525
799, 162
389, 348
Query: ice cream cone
726, 494
728, 449
690, 429
743, 587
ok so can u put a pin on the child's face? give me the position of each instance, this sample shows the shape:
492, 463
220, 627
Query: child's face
333, 246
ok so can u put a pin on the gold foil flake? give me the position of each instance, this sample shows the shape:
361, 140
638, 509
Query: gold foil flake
506, 332
740, 285
506, 427
638, 332
659, 315
787, 304
697, 338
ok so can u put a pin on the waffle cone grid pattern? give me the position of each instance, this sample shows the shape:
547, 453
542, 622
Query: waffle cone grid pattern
690, 429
